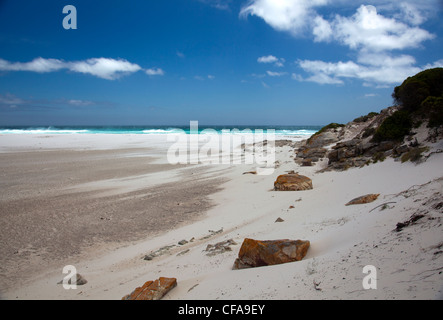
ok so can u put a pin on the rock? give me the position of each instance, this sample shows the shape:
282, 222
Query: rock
347, 144
220, 247
307, 153
279, 220
323, 139
152, 290
363, 199
306, 162
256, 253
158, 252
282, 143
79, 280
182, 242
292, 182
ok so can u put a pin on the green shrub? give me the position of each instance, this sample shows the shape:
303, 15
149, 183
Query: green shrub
368, 132
394, 127
366, 117
414, 155
414, 90
379, 156
434, 107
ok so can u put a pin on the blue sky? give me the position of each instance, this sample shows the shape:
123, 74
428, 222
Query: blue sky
251, 62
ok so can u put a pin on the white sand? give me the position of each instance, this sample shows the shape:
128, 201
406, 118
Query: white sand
343, 239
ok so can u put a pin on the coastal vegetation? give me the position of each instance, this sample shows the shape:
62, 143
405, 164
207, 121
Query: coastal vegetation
420, 98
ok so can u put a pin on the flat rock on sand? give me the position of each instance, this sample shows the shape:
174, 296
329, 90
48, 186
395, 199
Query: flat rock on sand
256, 253
152, 290
363, 199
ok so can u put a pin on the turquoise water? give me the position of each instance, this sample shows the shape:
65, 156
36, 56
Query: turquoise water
279, 130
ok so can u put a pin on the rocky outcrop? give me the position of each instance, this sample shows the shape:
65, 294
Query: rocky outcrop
292, 182
313, 149
351, 145
152, 290
256, 253
364, 199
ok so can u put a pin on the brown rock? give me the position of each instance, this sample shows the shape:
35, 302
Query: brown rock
306, 162
152, 290
363, 199
307, 153
256, 253
292, 182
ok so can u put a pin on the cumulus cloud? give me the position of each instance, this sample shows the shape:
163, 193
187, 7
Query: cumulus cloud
37, 65
322, 29
368, 30
104, 68
376, 32
154, 72
284, 15
375, 69
278, 62
436, 64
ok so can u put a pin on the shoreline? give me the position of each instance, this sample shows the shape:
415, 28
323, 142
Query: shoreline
343, 239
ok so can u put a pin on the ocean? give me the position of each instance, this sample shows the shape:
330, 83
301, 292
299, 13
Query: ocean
296, 131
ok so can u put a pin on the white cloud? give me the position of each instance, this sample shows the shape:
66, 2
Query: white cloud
278, 62
410, 14
218, 4
265, 85
436, 64
267, 59
284, 15
377, 31
372, 69
368, 30
154, 72
275, 74
37, 65
104, 68
211, 77
322, 78
80, 103
322, 30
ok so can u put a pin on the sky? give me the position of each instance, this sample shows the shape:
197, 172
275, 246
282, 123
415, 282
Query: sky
232, 62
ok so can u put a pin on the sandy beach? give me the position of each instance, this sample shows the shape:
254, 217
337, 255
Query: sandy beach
103, 205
